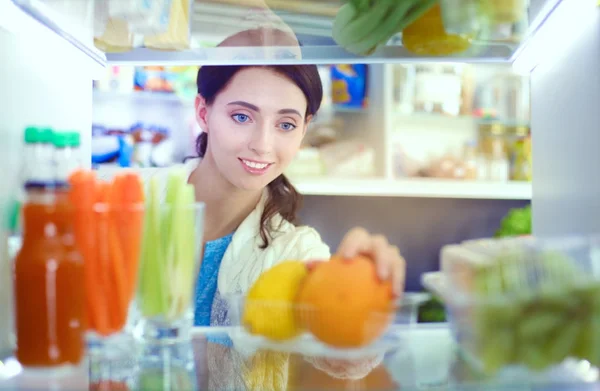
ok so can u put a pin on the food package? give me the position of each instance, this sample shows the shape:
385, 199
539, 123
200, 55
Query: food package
177, 35
116, 37
348, 159
101, 17
349, 85
153, 78
143, 16
306, 163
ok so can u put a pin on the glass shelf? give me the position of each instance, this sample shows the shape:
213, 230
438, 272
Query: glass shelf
424, 358
310, 21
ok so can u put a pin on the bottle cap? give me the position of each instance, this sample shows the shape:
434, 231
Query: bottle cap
32, 135
46, 135
61, 139
75, 139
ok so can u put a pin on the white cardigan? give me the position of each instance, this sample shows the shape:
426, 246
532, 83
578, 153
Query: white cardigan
244, 260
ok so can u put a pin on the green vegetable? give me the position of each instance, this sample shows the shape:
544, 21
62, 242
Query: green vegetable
432, 311
169, 249
360, 26
516, 223
165, 379
538, 308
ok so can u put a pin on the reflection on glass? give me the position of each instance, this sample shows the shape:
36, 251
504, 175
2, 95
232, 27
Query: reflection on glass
332, 29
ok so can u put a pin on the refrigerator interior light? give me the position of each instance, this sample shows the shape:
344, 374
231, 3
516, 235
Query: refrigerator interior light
558, 31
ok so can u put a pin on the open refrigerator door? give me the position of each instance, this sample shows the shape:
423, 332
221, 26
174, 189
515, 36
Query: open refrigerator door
46, 80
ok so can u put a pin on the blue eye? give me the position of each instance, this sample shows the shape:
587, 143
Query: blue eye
287, 127
241, 118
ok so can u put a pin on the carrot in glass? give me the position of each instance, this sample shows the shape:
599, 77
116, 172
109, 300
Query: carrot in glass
132, 231
102, 279
118, 278
83, 197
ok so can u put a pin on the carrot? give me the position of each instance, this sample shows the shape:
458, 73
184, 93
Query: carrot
117, 262
102, 279
82, 196
132, 229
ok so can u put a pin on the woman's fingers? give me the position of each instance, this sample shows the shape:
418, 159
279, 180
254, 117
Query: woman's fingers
399, 272
387, 258
355, 242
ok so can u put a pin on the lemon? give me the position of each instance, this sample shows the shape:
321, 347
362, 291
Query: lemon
269, 308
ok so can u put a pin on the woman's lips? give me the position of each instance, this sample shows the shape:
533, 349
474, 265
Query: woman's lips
254, 167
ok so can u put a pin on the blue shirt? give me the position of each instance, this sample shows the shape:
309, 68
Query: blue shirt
206, 288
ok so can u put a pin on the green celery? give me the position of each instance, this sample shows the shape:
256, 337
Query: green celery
155, 289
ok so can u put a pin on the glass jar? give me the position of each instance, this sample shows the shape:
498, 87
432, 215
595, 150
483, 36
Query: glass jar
426, 36
519, 152
493, 156
506, 11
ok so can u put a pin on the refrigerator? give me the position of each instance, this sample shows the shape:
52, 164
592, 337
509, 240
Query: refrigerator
48, 62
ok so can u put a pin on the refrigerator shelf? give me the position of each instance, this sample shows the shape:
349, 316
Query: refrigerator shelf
310, 21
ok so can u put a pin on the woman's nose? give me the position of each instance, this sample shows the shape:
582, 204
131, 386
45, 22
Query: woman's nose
261, 142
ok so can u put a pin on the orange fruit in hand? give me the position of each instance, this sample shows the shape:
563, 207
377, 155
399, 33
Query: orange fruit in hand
343, 303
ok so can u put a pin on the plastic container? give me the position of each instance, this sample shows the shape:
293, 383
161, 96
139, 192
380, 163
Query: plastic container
143, 16
306, 343
426, 36
524, 303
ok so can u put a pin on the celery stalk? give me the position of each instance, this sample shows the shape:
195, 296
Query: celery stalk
185, 247
189, 245
168, 264
154, 297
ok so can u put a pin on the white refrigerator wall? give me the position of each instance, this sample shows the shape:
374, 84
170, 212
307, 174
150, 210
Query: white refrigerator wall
42, 82
565, 124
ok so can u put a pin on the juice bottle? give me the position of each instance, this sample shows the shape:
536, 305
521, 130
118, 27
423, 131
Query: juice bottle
48, 279
65, 157
48, 282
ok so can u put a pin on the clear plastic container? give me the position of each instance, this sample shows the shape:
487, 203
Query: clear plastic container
143, 16
522, 302
307, 344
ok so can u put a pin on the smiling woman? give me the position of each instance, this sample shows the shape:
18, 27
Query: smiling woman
253, 120
260, 115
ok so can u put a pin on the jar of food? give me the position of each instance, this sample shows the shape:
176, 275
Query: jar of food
426, 36
519, 152
505, 11
471, 166
493, 157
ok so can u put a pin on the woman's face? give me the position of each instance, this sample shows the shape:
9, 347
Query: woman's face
255, 127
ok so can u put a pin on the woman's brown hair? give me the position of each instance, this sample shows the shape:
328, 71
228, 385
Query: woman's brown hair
283, 198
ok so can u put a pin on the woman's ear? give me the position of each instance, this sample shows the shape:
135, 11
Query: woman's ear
201, 112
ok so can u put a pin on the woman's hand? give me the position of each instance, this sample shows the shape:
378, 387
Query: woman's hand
387, 257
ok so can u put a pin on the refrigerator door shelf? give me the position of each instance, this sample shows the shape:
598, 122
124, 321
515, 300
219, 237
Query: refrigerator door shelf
310, 21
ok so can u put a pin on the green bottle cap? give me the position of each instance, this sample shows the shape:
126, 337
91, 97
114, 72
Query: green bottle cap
61, 139
75, 139
32, 135
46, 135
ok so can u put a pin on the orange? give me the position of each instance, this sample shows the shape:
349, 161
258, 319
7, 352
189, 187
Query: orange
343, 303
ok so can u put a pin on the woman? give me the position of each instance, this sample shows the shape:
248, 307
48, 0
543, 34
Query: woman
253, 121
